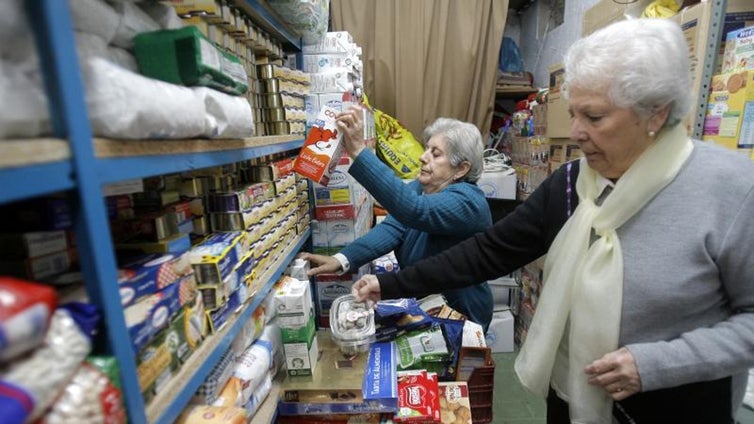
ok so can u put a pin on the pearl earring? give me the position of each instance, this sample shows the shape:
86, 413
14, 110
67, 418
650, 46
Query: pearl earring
652, 134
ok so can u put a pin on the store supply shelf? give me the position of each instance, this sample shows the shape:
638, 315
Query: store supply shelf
268, 410
125, 159
515, 92
39, 166
171, 400
270, 21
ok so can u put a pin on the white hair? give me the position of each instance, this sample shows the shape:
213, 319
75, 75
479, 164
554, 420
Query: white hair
642, 64
464, 144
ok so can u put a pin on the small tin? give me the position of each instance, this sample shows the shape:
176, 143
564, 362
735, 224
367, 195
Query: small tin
278, 128
266, 71
271, 85
272, 100
275, 114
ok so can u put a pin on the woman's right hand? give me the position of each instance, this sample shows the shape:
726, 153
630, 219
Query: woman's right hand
367, 289
351, 125
320, 264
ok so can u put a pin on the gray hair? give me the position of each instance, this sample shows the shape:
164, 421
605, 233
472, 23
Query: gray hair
464, 144
642, 64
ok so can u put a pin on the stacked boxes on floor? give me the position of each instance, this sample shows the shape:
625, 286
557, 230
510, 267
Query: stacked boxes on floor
342, 214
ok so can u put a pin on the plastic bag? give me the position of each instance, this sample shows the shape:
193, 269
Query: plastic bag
396, 146
510, 56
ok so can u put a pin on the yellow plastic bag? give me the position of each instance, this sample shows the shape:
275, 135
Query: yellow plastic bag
661, 9
396, 146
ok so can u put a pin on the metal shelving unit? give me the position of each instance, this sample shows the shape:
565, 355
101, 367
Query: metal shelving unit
80, 165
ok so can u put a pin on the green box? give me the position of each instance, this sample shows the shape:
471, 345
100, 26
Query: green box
185, 56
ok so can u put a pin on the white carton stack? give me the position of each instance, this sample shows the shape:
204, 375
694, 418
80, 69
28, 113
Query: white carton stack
336, 69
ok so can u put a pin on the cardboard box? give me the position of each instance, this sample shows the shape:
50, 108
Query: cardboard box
301, 357
499, 335
558, 118
605, 12
695, 21
739, 50
293, 303
730, 111
500, 184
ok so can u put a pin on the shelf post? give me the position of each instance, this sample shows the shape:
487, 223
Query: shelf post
717, 19
53, 30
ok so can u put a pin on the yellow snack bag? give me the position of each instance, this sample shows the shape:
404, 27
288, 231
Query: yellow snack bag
396, 146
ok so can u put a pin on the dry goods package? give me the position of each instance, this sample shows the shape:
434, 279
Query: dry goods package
24, 315
29, 385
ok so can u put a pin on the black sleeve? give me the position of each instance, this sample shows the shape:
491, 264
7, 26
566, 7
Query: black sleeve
516, 240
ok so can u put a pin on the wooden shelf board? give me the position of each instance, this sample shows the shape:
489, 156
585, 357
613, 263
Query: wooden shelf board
110, 148
33, 151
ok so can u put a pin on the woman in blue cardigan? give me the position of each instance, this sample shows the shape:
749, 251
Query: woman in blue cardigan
426, 216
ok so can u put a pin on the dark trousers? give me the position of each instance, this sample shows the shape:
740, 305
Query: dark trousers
707, 402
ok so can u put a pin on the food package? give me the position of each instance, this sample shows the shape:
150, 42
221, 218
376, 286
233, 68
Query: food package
93, 396
24, 315
30, 385
322, 148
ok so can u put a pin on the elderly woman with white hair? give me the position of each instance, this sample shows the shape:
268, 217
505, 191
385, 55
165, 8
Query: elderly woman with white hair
442, 207
647, 309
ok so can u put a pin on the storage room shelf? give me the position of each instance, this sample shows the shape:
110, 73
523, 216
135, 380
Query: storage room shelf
124, 159
171, 400
37, 166
82, 164
270, 21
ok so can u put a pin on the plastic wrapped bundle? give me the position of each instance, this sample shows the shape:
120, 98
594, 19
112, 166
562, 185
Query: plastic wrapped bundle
30, 385
145, 108
308, 17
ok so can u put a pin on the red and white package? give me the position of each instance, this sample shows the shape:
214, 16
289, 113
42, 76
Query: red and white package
418, 398
25, 311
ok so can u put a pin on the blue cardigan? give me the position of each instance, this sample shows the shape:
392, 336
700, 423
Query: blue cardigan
421, 225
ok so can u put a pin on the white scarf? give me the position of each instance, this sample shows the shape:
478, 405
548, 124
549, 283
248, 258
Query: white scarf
584, 283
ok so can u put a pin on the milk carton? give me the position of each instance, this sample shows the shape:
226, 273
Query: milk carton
322, 148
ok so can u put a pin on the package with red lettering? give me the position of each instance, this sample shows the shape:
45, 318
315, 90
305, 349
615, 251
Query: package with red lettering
322, 148
418, 398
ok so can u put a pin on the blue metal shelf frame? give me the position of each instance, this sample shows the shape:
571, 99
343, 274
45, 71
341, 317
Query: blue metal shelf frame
270, 21
51, 21
37, 180
172, 411
110, 170
83, 175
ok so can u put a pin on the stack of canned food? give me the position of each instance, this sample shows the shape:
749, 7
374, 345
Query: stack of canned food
281, 102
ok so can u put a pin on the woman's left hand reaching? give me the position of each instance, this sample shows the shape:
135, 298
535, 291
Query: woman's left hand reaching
351, 124
615, 372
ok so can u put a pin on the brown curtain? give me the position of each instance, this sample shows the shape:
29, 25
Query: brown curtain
427, 58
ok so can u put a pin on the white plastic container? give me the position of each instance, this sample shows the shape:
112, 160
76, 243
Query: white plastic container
352, 325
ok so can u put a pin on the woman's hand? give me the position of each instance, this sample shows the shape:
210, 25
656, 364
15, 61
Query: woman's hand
320, 264
350, 123
615, 372
367, 289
